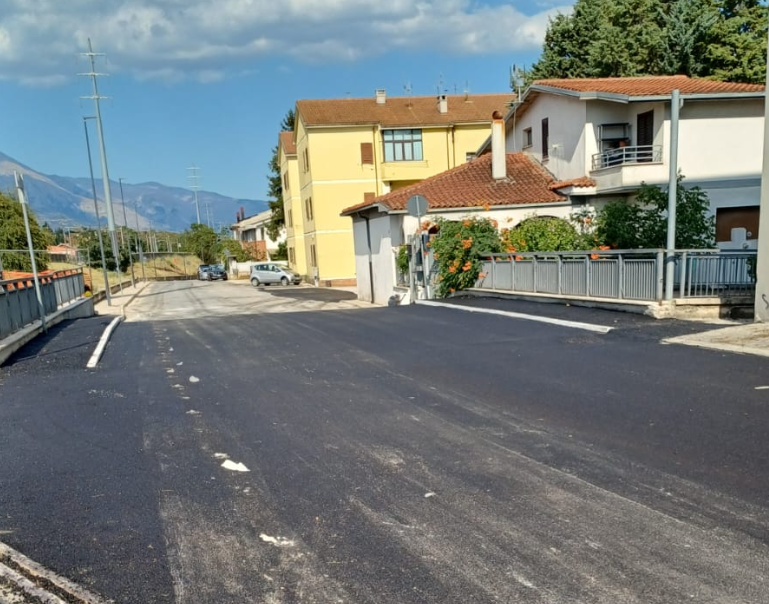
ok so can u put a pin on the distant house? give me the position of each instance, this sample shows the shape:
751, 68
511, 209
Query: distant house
506, 187
252, 234
346, 151
62, 253
601, 138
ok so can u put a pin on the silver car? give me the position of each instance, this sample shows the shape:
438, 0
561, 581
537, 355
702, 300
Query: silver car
269, 273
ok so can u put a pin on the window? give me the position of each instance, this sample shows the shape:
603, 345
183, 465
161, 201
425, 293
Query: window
291, 255
402, 145
306, 158
285, 181
613, 136
528, 138
367, 153
469, 156
308, 208
545, 138
290, 217
313, 256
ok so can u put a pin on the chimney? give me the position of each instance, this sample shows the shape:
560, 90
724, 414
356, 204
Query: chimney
498, 154
443, 103
381, 96
242, 213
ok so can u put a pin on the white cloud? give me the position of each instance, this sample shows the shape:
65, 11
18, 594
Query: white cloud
205, 40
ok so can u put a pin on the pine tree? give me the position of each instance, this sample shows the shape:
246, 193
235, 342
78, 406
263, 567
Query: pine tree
717, 39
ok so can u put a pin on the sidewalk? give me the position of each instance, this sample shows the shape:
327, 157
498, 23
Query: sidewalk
120, 300
750, 338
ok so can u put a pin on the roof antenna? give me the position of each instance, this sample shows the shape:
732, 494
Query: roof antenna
517, 79
440, 86
407, 92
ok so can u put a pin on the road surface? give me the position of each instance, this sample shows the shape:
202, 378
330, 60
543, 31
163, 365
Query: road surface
290, 445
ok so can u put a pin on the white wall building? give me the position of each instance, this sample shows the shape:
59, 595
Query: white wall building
608, 136
254, 228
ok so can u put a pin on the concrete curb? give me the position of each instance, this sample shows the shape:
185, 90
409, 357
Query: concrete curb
77, 310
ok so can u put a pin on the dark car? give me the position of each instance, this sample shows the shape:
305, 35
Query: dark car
216, 271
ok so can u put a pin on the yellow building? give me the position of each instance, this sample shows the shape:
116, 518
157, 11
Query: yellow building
292, 204
350, 150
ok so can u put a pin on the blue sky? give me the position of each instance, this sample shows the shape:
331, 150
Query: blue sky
207, 82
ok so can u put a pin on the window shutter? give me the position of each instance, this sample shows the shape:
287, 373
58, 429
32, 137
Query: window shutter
367, 153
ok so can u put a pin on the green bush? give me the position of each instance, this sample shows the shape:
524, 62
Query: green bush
542, 234
457, 250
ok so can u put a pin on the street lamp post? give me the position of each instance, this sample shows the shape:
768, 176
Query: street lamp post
96, 211
125, 222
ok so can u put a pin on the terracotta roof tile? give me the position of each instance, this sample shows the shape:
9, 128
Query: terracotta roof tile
402, 111
581, 182
287, 141
471, 185
649, 85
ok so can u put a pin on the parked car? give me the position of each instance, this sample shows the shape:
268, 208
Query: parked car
269, 273
202, 271
216, 271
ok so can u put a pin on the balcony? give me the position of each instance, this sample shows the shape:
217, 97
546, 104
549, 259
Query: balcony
624, 156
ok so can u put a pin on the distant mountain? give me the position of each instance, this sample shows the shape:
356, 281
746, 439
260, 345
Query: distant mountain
62, 199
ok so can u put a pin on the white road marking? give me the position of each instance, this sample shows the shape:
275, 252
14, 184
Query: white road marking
193, 412
277, 541
94, 360
516, 315
27, 574
194, 379
430, 494
180, 363
762, 387
235, 467
221, 456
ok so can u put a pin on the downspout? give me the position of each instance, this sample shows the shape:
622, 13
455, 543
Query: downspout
370, 259
376, 163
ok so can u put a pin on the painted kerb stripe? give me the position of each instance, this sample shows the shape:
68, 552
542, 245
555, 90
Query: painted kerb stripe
93, 361
516, 315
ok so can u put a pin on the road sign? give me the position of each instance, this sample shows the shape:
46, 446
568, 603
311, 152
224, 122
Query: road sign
417, 205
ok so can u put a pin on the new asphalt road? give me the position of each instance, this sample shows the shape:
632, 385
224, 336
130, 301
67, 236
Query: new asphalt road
293, 446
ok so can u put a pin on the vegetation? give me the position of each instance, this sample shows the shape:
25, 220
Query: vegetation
275, 182
201, 240
235, 250
717, 39
457, 250
13, 236
543, 234
644, 224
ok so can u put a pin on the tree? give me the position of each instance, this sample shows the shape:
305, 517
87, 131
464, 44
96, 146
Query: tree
275, 182
235, 250
13, 236
201, 240
717, 39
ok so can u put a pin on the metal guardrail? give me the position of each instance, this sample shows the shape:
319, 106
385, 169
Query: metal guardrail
620, 274
18, 301
627, 155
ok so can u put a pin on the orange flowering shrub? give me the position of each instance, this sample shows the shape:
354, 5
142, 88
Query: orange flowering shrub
457, 251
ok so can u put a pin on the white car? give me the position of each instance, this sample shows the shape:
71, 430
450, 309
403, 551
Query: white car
269, 273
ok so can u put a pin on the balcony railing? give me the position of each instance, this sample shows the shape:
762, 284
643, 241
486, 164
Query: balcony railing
627, 155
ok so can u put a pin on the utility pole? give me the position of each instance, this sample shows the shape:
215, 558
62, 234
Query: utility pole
125, 222
107, 292
138, 239
193, 177
93, 74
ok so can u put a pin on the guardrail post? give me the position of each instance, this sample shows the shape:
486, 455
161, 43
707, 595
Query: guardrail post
534, 273
683, 276
560, 270
621, 277
660, 275
493, 272
588, 271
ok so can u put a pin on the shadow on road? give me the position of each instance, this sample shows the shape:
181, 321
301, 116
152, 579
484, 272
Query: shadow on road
310, 293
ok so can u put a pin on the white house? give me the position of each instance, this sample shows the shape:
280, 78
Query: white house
506, 187
253, 230
604, 137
